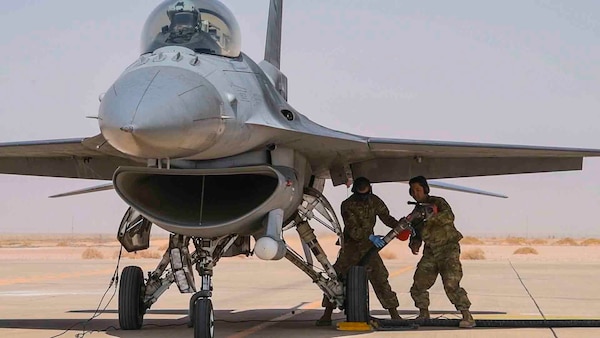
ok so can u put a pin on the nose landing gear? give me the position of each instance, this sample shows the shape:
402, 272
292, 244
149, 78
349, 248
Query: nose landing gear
203, 317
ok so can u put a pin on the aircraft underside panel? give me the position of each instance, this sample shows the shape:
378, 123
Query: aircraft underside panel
98, 168
90, 158
402, 169
208, 203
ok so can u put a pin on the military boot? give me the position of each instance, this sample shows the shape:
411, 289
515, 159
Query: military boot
394, 314
467, 321
325, 320
423, 315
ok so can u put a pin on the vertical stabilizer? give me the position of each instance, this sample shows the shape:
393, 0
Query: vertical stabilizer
273, 44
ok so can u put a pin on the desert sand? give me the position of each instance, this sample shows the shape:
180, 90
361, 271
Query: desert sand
63, 278
104, 246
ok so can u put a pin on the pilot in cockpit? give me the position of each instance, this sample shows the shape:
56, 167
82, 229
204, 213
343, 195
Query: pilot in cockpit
185, 29
184, 23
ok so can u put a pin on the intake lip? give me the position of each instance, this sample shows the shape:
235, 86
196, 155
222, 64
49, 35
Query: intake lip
205, 203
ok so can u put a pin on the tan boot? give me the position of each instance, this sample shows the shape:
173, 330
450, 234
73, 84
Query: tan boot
467, 321
423, 315
394, 314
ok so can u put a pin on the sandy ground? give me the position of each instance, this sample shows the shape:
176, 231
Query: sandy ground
69, 247
47, 288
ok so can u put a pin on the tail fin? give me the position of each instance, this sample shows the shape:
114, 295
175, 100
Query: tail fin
273, 44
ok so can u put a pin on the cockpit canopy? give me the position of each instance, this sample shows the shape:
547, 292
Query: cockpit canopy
204, 26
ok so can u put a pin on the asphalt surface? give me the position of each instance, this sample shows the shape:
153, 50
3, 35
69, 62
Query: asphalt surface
254, 298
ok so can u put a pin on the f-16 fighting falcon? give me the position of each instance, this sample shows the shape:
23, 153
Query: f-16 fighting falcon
199, 139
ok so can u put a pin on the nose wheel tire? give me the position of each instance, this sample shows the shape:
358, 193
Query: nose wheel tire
131, 303
357, 295
204, 319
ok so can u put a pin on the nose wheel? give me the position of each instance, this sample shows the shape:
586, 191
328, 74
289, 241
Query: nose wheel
201, 313
203, 318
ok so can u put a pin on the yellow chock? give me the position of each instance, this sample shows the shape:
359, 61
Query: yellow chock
354, 326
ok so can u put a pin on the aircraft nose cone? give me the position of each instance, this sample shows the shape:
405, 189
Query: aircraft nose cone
161, 112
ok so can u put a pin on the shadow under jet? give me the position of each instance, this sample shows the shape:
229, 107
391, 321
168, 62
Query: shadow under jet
230, 321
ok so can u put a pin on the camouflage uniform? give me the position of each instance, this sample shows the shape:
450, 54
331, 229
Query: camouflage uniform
359, 220
441, 255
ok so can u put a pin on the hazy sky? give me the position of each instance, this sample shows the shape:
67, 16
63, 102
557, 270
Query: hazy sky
513, 72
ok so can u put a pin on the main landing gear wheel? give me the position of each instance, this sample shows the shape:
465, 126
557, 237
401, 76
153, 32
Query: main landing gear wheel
204, 319
131, 302
357, 295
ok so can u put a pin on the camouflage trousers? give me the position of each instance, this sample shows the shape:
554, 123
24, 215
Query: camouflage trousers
376, 272
444, 261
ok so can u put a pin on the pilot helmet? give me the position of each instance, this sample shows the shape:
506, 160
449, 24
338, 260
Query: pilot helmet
183, 15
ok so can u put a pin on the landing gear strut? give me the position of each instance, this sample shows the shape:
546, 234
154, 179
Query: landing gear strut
315, 207
201, 313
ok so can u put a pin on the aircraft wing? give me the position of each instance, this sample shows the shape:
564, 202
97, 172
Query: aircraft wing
341, 156
390, 160
91, 158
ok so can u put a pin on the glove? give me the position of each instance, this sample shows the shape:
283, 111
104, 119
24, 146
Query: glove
377, 241
414, 247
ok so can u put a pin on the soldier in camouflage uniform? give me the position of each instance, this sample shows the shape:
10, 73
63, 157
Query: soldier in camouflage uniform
358, 213
441, 254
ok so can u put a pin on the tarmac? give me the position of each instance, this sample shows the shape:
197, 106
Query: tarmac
254, 298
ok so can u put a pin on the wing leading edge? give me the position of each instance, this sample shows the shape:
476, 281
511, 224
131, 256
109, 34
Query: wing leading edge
91, 158
391, 160
344, 156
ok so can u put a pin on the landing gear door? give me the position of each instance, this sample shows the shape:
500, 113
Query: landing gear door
134, 231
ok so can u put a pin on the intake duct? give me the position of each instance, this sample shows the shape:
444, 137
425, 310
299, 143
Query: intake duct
208, 203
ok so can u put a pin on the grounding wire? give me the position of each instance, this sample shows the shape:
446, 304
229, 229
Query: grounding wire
113, 281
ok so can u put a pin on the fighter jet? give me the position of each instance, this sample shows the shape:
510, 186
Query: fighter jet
199, 139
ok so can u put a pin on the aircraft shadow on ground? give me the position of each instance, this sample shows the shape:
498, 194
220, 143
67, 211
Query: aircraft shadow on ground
227, 321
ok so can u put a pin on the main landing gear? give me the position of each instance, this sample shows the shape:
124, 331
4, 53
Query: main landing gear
315, 207
357, 295
131, 300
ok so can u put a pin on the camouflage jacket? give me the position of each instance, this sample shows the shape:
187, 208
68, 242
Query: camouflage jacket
439, 229
359, 219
